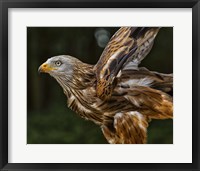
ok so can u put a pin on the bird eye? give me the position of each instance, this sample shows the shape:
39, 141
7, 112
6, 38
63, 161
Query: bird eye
58, 63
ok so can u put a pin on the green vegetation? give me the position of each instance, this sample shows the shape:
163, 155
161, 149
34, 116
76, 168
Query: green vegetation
64, 127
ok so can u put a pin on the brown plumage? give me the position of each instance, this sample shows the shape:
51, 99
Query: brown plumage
115, 93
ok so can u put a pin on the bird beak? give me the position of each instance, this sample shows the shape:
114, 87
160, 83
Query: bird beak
45, 68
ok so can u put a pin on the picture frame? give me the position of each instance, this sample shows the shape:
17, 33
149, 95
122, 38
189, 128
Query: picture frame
4, 144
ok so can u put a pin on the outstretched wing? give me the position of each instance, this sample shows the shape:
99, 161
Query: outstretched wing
128, 44
131, 77
129, 128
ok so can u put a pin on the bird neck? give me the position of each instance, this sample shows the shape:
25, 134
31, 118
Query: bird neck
81, 94
82, 78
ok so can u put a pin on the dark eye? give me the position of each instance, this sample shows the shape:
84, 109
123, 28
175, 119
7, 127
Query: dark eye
58, 63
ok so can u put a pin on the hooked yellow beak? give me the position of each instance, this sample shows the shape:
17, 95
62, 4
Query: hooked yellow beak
45, 68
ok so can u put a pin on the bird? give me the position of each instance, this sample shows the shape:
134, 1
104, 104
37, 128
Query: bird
116, 93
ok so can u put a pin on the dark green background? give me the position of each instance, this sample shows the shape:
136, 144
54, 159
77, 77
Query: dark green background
49, 120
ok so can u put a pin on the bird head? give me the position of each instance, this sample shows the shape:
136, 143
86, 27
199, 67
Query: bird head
58, 65
68, 71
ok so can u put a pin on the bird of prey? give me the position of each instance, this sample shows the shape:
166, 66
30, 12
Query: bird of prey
116, 94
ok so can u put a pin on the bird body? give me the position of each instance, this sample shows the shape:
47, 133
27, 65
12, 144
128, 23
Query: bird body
115, 93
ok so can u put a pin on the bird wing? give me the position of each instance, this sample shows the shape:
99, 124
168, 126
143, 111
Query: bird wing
153, 103
128, 45
143, 77
129, 128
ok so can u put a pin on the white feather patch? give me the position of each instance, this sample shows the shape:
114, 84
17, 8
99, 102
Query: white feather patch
140, 118
137, 82
118, 115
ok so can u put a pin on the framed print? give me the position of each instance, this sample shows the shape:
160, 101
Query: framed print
99, 85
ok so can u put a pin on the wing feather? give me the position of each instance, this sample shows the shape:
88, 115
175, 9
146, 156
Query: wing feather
129, 128
128, 44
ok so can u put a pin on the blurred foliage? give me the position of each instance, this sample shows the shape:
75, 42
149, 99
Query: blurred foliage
49, 120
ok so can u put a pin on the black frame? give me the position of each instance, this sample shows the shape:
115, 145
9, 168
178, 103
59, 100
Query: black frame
6, 4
